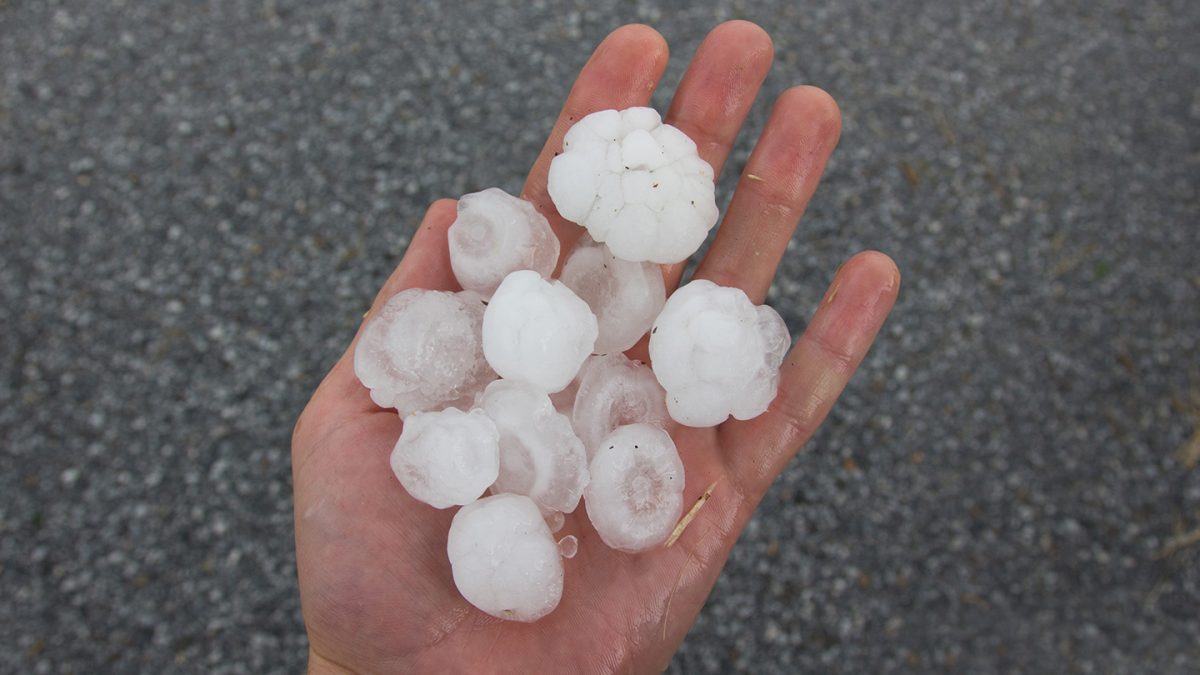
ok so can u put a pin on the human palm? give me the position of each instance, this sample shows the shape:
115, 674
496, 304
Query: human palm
375, 582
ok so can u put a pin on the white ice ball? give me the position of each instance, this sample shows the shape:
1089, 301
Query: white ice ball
636, 184
615, 391
635, 496
717, 354
422, 351
448, 457
540, 455
504, 558
537, 331
625, 296
495, 234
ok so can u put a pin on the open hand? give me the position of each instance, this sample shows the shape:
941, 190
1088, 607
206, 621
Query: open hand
375, 581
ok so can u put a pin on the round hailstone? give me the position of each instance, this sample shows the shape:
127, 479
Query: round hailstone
540, 456
504, 559
422, 351
717, 354
635, 496
537, 331
448, 457
636, 184
625, 296
496, 234
615, 391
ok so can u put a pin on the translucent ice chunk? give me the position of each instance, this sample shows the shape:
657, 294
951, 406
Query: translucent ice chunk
636, 184
717, 354
615, 391
625, 296
540, 456
448, 457
496, 234
568, 546
422, 351
635, 496
537, 331
504, 559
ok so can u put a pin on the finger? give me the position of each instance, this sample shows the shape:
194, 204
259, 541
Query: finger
716, 94
426, 264
816, 370
622, 73
719, 88
775, 188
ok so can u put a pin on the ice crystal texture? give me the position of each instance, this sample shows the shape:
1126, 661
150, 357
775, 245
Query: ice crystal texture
422, 351
540, 456
448, 457
615, 391
636, 184
537, 331
625, 296
495, 234
717, 354
635, 496
504, 559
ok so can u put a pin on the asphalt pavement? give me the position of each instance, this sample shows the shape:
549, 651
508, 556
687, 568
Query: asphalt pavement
199, 199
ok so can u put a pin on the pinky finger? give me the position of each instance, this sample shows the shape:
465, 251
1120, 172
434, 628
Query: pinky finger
815, 371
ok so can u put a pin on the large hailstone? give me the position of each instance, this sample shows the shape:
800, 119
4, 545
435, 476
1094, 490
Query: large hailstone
447, 458
540, 456
537, 331
635, 496
615, 391
422, 351
496, 234
625, 296
717, 354
504, 559
636, 184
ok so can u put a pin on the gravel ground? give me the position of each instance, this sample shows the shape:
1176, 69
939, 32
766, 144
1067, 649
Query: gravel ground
198, 199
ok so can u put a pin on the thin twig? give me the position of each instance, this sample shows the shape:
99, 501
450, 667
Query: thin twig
687, 517
1178, 544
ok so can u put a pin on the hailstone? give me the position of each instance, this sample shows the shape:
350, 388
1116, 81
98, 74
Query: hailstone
448, 457
504, 559
537, 331
635, 496
717, 354
615, 391
540, 456
636, 184
495, 234
422, 351
625, 296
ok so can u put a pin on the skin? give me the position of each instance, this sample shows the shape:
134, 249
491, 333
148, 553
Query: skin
375, 582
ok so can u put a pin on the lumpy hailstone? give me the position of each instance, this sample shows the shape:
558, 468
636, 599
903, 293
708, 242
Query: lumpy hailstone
448, 457
717, 354
615, 391
635, 496
496, 234
636, 184
540, 456
504, 559
625, 296
537, 331
422, 351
